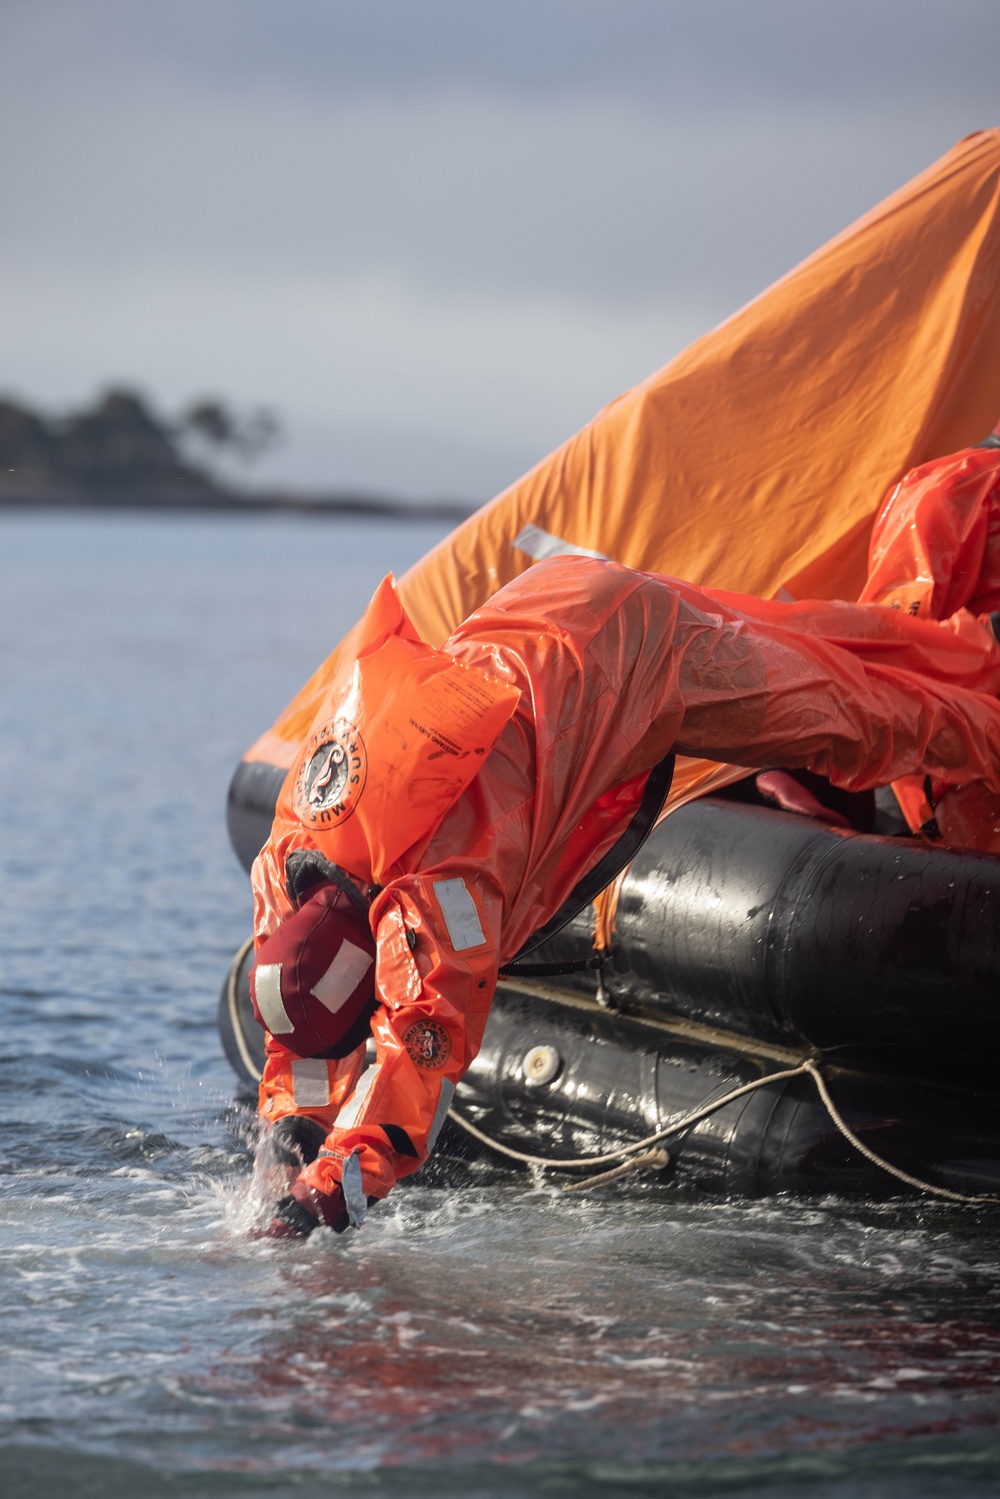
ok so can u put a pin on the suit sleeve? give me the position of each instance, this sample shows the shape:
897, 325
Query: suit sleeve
436, 971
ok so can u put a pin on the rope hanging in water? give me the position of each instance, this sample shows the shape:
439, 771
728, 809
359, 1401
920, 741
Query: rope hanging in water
650, 1159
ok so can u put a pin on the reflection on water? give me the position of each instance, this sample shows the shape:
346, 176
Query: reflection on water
483, 1335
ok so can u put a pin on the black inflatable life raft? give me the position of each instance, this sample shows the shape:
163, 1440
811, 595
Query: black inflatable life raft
746, 939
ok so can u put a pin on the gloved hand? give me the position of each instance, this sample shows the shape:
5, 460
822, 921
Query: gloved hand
294, 1140
282, 1152
303, 1210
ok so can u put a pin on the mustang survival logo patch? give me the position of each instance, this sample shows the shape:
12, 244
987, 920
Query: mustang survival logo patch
428, 1043
332, 775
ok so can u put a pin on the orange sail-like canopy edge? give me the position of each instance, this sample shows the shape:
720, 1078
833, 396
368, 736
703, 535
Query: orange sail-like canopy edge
755, 460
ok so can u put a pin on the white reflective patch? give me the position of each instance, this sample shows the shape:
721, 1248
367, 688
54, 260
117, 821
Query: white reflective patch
784, 597
348, 1115
354, 1193
540, 544
267, 987
444, 1104
460, 914
311, 1083
342, 977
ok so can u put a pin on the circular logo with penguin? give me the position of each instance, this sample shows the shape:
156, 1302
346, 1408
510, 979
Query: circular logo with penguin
332, 775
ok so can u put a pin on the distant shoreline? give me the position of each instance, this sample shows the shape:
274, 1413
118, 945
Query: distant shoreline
215, 501
119, 454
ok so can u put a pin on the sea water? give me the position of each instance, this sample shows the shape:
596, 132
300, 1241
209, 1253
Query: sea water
483, 1335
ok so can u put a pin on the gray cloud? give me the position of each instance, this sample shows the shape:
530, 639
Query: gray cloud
663, 50
587, 197
473, 222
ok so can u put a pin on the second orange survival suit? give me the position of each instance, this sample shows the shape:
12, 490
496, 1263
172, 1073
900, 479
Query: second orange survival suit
935, 549
573, 682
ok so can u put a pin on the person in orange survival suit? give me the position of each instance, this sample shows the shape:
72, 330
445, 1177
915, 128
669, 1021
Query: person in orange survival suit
467, 835
935, 549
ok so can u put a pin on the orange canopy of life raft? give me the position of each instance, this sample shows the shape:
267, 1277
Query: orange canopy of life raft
756, 460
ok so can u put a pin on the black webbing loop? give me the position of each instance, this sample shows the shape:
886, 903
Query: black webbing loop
551, 970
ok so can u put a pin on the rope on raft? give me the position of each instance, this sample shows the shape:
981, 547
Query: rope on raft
656, 1159
641, 1155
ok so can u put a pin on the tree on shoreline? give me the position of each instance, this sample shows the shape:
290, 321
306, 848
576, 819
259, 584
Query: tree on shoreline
120, 442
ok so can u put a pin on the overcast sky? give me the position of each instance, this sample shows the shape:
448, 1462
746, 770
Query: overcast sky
437, 235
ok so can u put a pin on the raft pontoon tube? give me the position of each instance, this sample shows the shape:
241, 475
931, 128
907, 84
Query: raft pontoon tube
746, 939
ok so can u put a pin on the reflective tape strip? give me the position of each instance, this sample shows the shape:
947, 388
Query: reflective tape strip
354, 1193
460, 914
343, 976
348, 1115
311, 1083
444, 1104
267, 988
540, 544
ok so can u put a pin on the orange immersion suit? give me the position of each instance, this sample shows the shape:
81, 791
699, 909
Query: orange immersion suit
598, 672
935, 549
